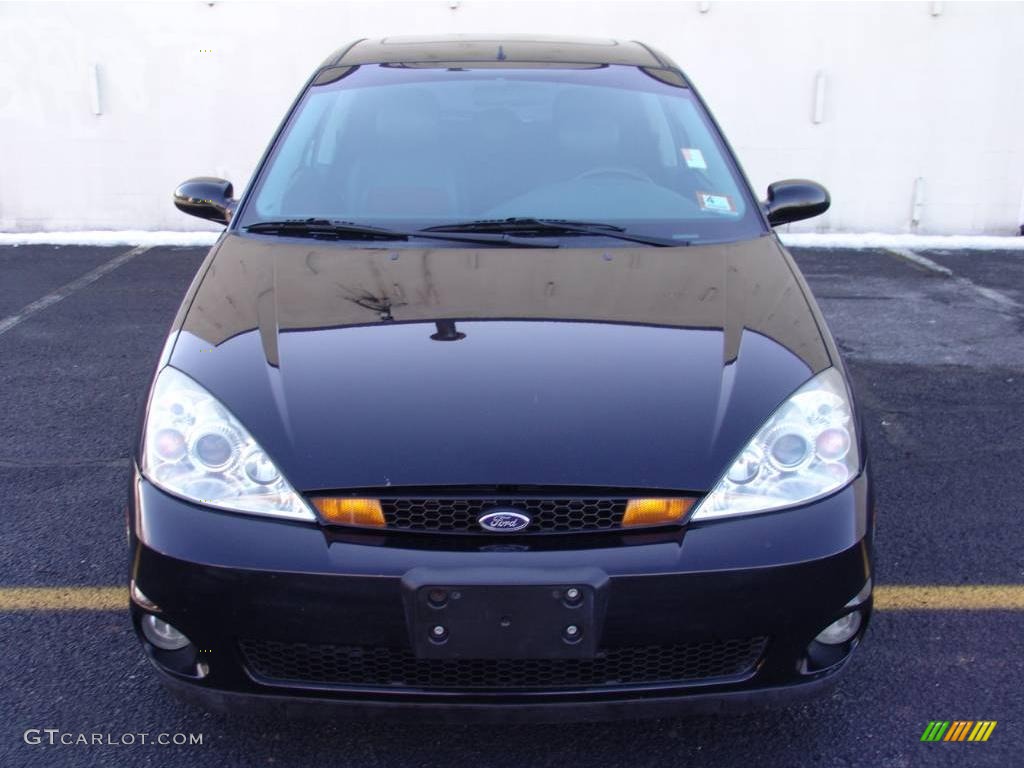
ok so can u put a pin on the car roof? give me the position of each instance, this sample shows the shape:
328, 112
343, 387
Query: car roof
506, 49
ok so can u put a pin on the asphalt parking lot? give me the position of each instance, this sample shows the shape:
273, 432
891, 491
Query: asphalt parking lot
936, 350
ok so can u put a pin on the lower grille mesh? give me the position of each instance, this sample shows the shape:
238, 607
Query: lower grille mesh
379, 667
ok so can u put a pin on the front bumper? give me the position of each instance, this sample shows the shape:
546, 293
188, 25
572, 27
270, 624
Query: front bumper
276, 610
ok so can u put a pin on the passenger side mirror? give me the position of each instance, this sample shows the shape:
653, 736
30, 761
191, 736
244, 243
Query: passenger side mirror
794, 200
207, 198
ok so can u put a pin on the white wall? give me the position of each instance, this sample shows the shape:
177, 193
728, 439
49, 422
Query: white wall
908, 94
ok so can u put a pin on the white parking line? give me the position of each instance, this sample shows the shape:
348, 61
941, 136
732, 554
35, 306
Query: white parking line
993, 295
64, 291
921, 261
996, 297
65, 464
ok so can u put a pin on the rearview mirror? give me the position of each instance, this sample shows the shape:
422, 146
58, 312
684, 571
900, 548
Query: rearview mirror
794, 200
207, 198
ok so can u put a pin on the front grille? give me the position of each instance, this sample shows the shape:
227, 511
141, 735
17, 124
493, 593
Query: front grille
378, 667
460, 515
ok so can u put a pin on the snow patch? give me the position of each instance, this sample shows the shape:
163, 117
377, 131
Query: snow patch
910, 242
121, 237
794, 239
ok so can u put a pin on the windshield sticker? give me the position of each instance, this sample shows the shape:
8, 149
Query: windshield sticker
718, 203
694, 158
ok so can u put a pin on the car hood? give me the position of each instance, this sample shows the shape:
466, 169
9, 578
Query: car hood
628, 367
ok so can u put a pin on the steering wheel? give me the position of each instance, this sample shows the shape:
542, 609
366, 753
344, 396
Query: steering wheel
613, 170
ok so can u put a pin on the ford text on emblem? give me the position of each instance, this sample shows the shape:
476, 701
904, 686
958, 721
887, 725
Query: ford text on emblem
503, 521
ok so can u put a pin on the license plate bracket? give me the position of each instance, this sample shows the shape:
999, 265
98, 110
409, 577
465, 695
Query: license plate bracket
501, 615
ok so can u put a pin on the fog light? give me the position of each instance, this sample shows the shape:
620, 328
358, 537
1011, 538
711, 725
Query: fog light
840, 630
162, 635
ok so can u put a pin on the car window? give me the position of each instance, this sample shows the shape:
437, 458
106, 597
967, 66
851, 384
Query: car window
412, 148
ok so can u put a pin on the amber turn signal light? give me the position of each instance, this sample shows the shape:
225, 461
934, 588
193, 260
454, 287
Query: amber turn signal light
364, 512
655, 511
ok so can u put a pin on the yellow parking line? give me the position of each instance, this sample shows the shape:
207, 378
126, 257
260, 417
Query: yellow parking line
977, 597
988, 597
63, 598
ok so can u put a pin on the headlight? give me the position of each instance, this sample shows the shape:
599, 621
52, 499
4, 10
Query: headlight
194, 448
807, 449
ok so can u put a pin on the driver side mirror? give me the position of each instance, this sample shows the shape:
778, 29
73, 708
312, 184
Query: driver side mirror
794, 200
206, 197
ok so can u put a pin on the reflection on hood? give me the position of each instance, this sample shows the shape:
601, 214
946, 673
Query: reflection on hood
279, 286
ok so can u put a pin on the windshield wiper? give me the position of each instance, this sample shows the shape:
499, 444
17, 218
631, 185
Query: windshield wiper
327, 229
525, 226
323, 228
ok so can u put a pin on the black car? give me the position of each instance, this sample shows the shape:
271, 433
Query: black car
499, 397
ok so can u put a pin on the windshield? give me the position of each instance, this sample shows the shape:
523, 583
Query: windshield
410, 148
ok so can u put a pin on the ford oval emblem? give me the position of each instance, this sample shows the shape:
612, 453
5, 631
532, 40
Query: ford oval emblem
503, 521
